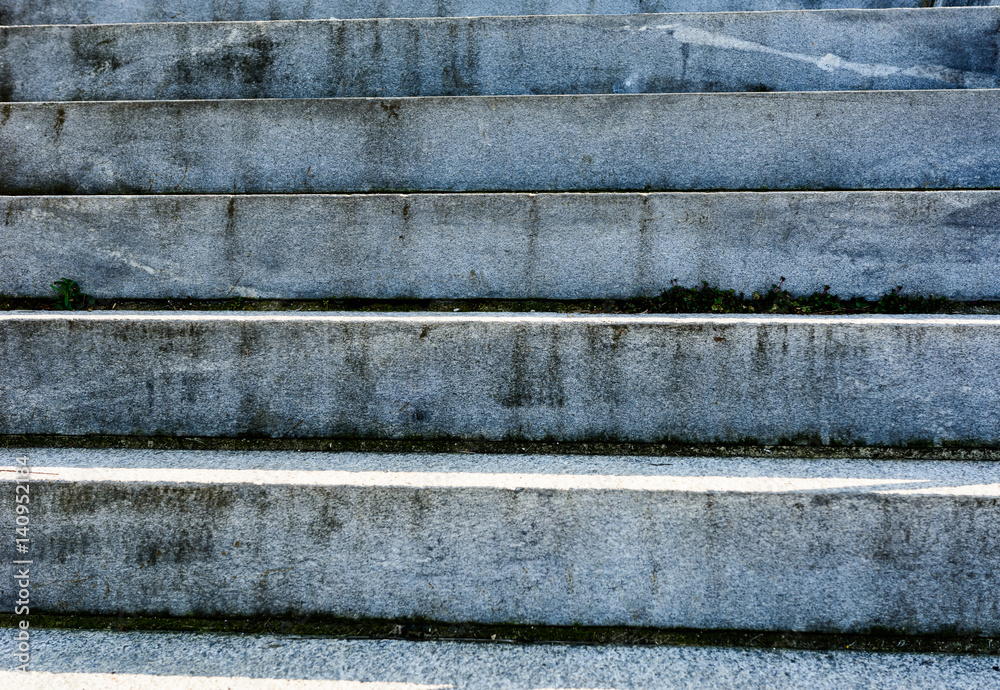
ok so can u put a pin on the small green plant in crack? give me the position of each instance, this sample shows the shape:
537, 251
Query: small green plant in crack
707, 298
895, 302
69, 296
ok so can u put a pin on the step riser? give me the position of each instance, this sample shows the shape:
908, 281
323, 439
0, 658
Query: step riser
625, 548
116, 11
813, 51
558, 246
861, 140
875, 380
99, 659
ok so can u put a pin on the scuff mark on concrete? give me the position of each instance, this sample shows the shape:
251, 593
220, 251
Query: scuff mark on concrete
249, 293
830, 62
131, 262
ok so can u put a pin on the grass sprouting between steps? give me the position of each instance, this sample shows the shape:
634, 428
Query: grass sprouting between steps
677, 299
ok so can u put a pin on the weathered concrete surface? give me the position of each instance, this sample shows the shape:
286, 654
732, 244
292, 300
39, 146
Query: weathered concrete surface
695, 378
119, 11
86, 660
559, 246
751, 51
833, 545
849, 140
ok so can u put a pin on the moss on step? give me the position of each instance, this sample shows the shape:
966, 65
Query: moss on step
674, 300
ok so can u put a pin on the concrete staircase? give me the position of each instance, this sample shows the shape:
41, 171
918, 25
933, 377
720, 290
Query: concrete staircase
155, 150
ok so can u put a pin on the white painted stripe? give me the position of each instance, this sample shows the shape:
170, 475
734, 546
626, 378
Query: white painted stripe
506, 317
509, 481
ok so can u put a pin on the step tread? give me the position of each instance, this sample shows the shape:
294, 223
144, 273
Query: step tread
812, 140
830, 546
86, 660
770, 51
534, 246
115, 11
882, 380
642, 474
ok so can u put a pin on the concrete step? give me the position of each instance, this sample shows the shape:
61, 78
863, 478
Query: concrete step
454, 246
748, 51
840, 140
94, 660
704, 543
127, 11
886, 380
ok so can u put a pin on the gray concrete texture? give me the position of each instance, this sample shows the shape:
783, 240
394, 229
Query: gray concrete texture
824, 140
747, 544
124, 11
693, 378
558, 246
95, 660
751, 51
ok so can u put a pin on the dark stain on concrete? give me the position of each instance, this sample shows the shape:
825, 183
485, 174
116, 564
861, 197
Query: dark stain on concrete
643, 276
329, 508
252, 414
246, 62
6, 74
232, 250
94, 51
391, 108
60, 121
536, 379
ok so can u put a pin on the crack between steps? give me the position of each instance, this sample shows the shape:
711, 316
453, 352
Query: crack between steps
421, 630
